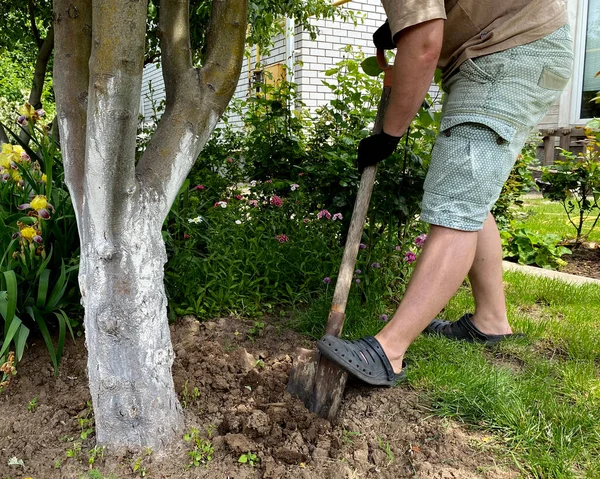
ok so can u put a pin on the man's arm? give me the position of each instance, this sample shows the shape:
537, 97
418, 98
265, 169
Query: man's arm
417, 55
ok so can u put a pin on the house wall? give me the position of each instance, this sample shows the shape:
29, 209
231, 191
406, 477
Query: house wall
308, 58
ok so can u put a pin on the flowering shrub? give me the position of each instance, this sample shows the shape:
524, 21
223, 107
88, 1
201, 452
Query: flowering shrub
39, 239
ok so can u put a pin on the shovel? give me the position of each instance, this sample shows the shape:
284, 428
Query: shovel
318, 382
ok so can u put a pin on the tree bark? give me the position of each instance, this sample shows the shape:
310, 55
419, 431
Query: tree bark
121, 207
39, 74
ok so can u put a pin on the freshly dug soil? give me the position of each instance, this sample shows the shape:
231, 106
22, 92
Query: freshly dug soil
241, 406
585, 261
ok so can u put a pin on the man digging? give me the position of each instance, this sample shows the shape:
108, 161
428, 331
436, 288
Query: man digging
503, 64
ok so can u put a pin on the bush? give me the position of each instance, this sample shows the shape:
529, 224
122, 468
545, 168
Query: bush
528, 247
40, 244
262, 220
575, 183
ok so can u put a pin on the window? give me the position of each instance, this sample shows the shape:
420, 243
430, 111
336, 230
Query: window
591, 62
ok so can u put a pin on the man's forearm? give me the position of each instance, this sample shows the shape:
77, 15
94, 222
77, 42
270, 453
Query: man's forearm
416, 58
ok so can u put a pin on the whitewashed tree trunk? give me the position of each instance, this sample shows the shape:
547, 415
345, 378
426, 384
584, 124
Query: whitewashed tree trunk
121, 206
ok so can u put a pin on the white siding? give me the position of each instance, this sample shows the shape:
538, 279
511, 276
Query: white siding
151, 76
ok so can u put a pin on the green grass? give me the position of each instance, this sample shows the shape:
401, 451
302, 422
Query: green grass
544, 216
538, 397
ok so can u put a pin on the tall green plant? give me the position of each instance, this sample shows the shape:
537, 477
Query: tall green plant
39, 240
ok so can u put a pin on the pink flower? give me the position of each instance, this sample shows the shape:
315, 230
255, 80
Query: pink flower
327, 280
301, 174
294, 187
337, 216
186, 236
410, 257
269, 181
357, 281
199, 187
362, 246
306, 220
398, 248
282, 238
222, 204
229, 160
239, 197
276, 201
384, 317
324, 214
253, 203
420, 240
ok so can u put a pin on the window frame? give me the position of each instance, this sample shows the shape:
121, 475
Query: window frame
580, 40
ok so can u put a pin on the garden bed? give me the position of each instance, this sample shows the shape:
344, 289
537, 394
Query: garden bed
240, 372
585, 261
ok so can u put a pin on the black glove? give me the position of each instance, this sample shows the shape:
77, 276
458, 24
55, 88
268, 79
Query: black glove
382, 38
376, 148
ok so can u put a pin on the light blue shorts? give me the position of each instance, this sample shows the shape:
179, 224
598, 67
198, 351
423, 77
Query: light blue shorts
491, 105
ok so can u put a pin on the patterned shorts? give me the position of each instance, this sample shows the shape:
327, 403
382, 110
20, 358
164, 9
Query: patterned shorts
491, 105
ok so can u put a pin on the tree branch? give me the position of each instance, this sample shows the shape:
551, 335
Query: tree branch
225, 47
73, 31
41, 65
34, 29
195, 99
116, 65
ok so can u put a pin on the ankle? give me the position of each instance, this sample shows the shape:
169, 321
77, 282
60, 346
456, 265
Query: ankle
393, 351
491, 323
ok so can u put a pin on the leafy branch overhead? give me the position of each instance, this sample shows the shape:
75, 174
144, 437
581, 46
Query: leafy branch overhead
265, 20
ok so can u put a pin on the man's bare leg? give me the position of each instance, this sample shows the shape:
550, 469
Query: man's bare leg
486, 282
446, 258
442, 267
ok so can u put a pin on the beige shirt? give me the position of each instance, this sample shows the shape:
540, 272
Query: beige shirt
479, 27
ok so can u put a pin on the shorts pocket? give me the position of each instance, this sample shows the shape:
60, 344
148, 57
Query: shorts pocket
504, 131
484, 69
554, 78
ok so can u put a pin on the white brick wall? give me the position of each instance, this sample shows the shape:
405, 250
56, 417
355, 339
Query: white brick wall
317, 56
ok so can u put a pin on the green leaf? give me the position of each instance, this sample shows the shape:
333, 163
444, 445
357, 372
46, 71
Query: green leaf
34, 314
43, 288
371, 67
10, 334
59, 289
11, 303
20, 341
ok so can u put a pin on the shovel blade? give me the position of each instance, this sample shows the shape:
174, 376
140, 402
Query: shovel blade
330, 382
302, 375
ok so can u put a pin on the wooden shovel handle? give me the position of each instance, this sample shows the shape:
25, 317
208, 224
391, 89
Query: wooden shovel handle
335, 323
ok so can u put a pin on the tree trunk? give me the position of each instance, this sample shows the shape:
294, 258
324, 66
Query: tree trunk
127, 333
121, 206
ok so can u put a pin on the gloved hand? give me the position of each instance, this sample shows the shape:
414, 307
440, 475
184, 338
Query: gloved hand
376, 148
382, 38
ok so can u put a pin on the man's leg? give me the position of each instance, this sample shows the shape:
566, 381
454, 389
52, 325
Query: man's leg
486, 282
442, 267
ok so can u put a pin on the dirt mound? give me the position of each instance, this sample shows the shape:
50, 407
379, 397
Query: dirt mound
231, 376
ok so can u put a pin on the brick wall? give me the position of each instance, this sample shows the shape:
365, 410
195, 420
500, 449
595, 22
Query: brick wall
315, 56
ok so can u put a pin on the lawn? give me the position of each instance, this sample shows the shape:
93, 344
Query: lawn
537, 399
544, 216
